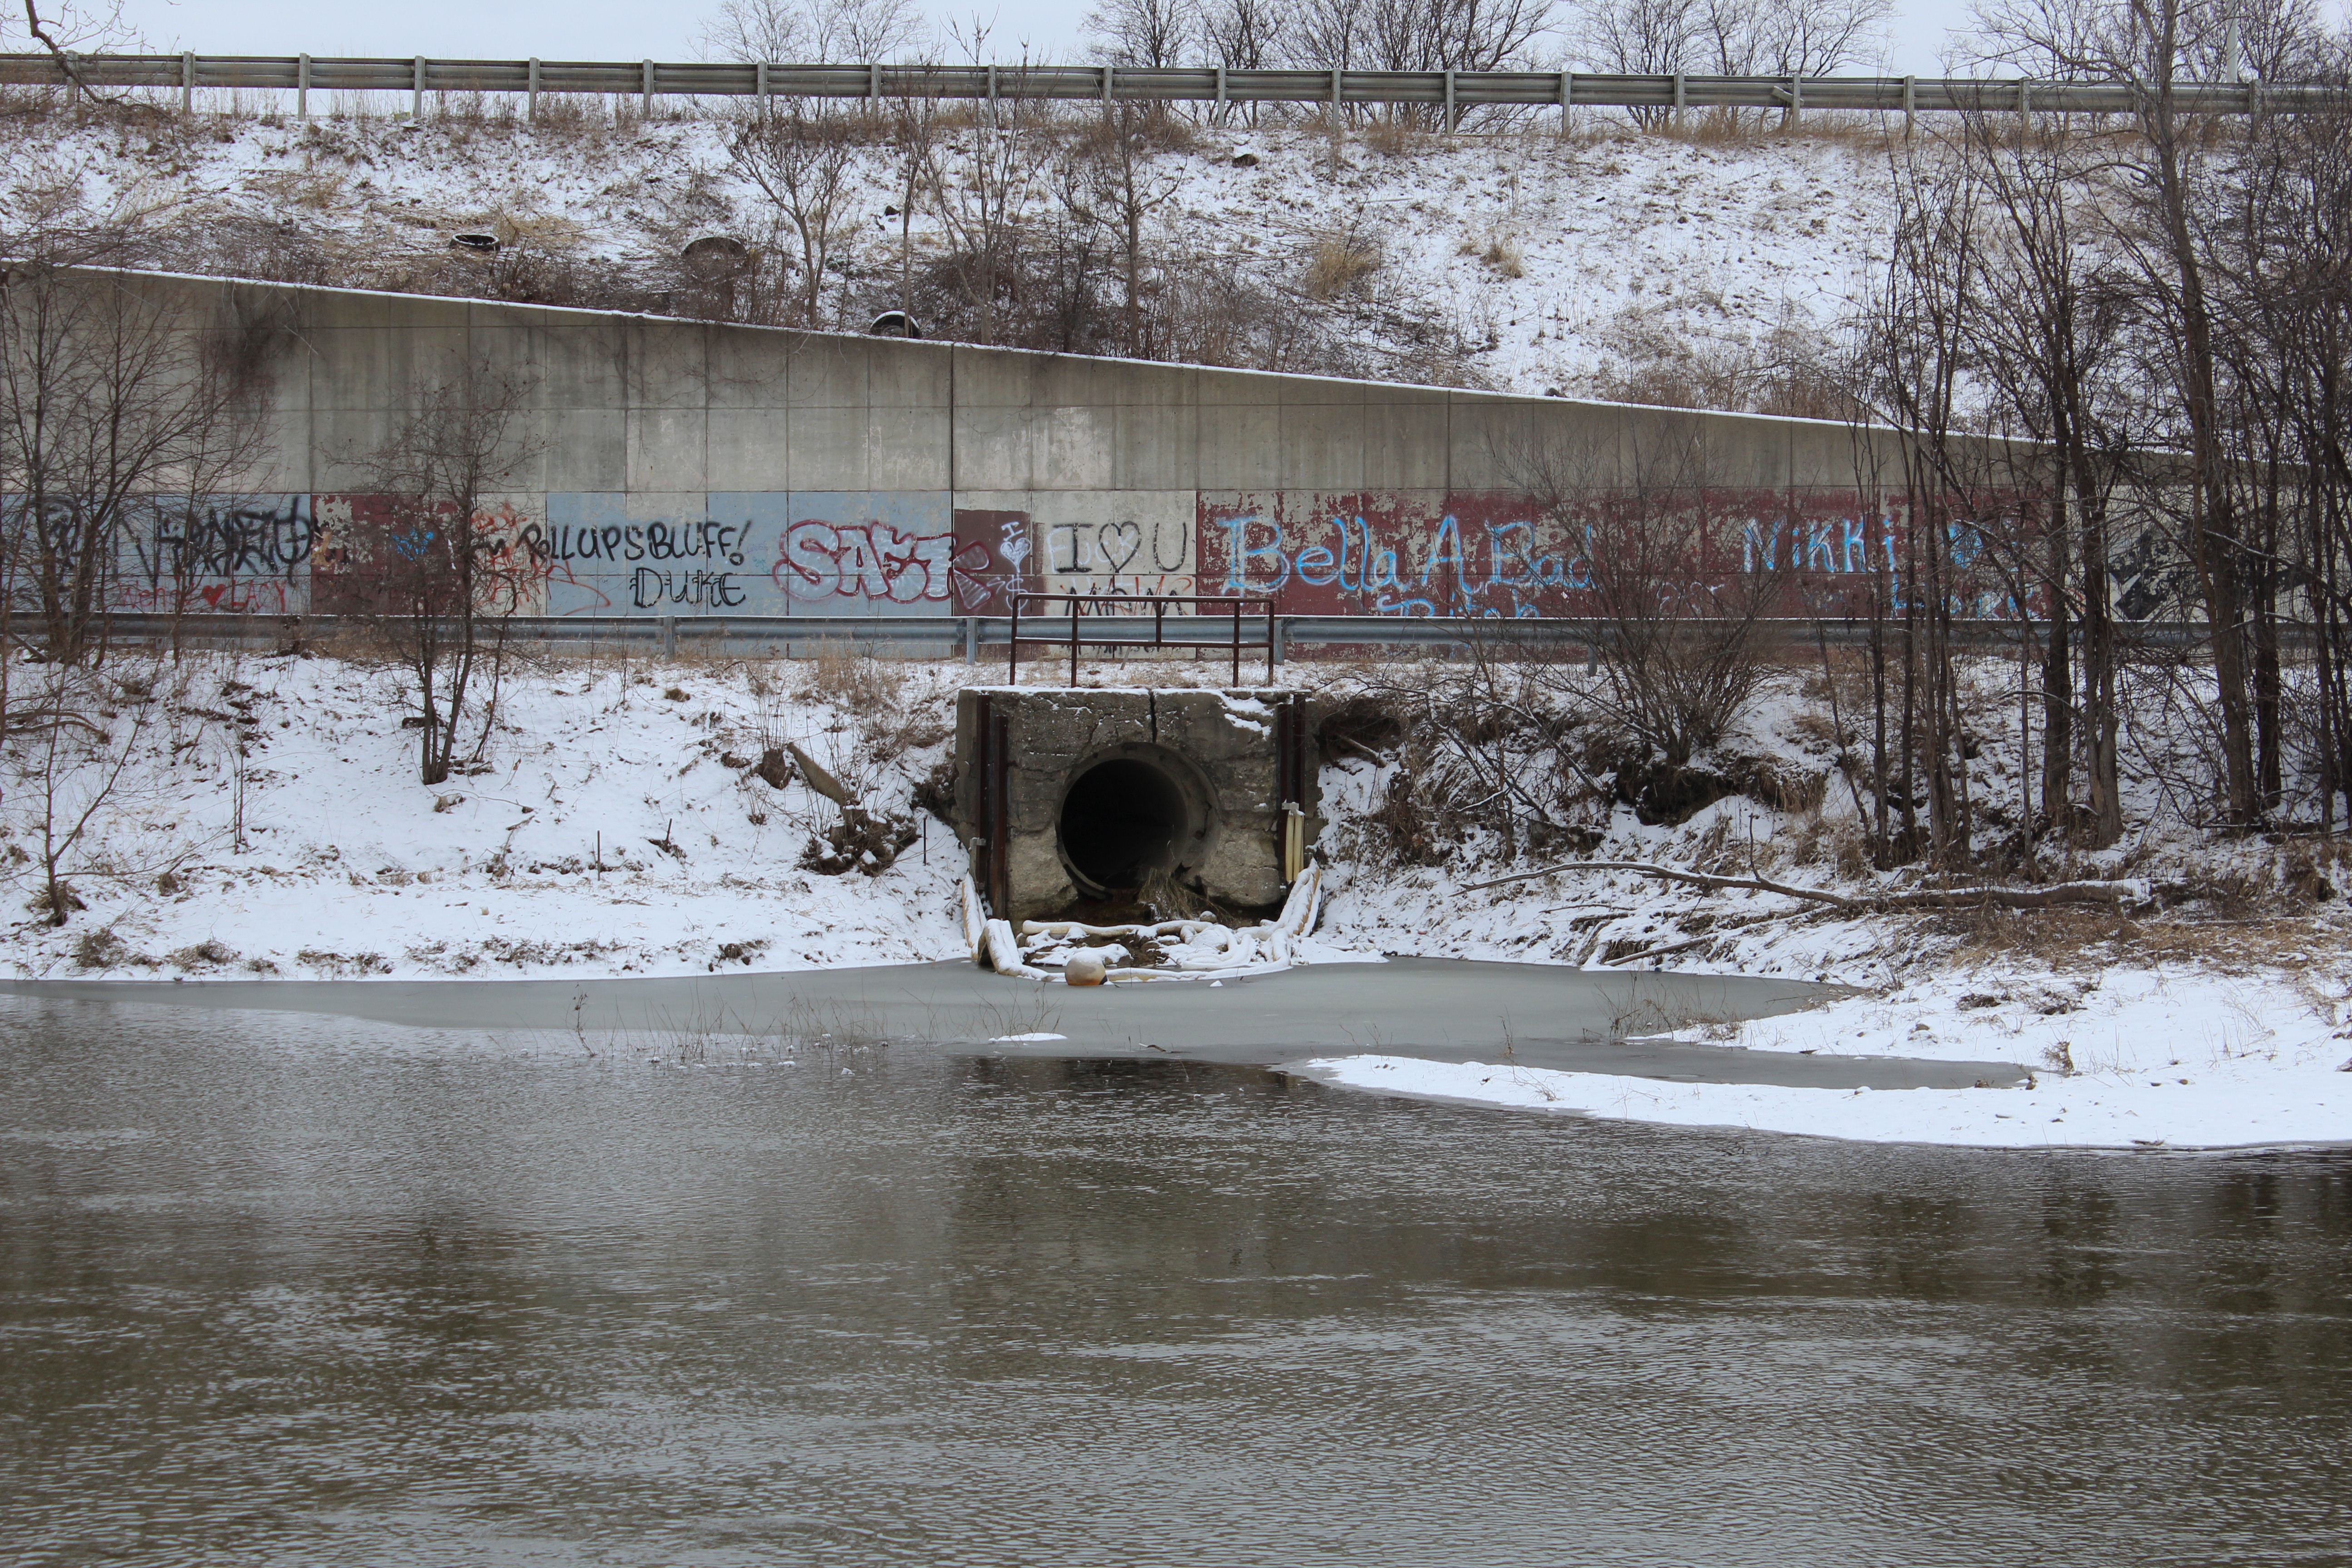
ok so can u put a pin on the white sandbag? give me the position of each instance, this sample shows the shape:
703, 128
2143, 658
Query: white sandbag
1004, 950
975, 922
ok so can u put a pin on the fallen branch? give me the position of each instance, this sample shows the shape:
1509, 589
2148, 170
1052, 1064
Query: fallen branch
1667, 873
2113, 894
1656, 951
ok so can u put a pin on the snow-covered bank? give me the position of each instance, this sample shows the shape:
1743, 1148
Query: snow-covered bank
271, 822
268, 821
2125, 1059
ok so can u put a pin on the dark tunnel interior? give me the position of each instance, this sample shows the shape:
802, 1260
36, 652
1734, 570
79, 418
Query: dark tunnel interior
1120, 819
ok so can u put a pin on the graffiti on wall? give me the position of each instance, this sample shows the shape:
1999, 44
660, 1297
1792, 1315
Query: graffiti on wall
1493, 556
247, 554
899, 553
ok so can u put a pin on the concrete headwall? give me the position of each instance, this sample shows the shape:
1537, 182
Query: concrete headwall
686, 468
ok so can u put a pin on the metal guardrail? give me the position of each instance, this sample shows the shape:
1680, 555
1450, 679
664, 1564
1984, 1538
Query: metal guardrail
795, 636
1454, 92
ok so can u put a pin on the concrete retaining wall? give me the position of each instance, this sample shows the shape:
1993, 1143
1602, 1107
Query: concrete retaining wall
680, 467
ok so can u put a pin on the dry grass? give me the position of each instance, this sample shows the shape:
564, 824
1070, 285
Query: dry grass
850, 678
1338, 264
2078, 939
1503, 255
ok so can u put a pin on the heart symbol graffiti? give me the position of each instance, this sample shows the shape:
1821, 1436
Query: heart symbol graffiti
1016, 547
1112, 536
213, 594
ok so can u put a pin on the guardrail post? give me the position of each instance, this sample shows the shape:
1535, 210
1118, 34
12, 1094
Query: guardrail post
303, 88
647, 113
971, 639
759, 84
532, 111
669, 637
1449, 103
1567, 99
416, 88
1678, 100
187, 83
1910, 104
1106, 70
873, 82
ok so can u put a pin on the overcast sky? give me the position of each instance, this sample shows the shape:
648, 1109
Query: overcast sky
611, 29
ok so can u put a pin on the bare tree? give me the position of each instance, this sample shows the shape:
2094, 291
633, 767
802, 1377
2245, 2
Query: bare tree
112, 395
76, 769
1820, 37
1244, 35
864, 30
2057, 365
1908, 376
66, 31
1785, 38
1111, 181
980, 187
818, 31
1148, 33
1329, 34
1637, 37
432, 558
802, 160
754, 30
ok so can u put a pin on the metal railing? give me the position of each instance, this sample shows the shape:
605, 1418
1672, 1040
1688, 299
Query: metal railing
1454, 91
1096, 611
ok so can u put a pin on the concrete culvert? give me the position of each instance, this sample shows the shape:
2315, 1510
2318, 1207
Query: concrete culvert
1122, 819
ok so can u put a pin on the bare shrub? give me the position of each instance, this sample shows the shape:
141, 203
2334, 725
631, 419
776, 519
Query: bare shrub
101, 949
1682, 637
211, 952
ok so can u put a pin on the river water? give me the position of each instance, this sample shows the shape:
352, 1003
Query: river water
277, 1287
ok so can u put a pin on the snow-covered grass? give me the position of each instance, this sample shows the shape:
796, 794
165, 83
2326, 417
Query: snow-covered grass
1609, 261
266, 820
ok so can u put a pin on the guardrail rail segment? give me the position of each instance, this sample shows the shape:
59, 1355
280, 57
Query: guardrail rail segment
1455, 92
1210, 634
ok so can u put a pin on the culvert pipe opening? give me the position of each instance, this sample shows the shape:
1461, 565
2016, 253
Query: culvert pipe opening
1121, 820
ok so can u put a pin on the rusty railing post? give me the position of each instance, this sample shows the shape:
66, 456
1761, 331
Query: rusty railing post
1012, 648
